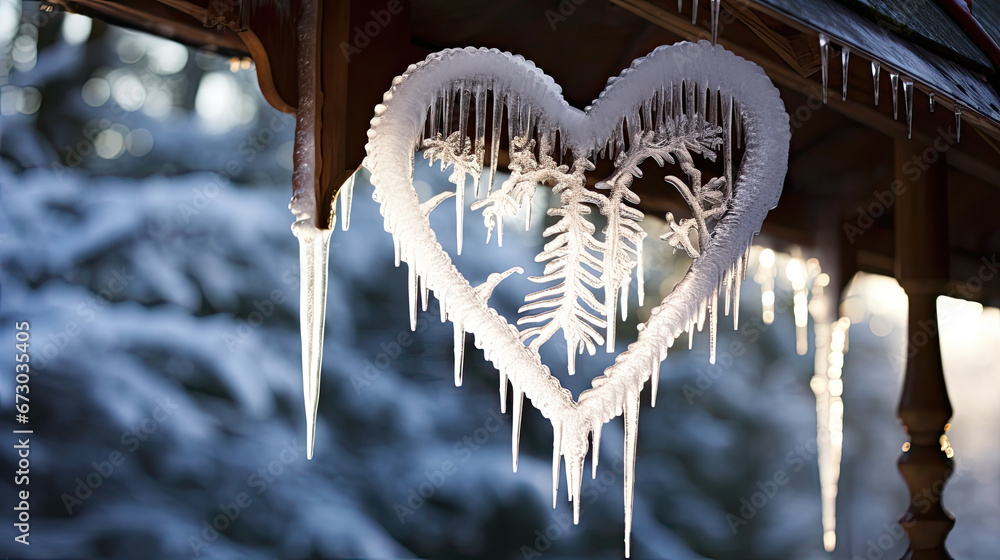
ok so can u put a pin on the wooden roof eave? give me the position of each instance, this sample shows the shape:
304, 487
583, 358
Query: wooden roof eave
262, 32
662, 14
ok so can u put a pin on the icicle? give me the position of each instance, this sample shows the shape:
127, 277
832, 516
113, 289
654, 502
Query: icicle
570, 357
314, 261
740, 269
577, 474
908, 100
640, 273
845, 57
495, 139
894, 81
459, 213
690, 104
503, 393
623, 292
425, 293
746, 259
694, 12
595, 448
647, 115
631, 433
619, 140
654, 383
443, 309
727, 143
480, 143
703, 102
713, 324
713, 109
662, 105
958, 122
527, 216
715, 20
728, 283
680, 6
397, 252
690, 333
525, 113
569, 478
876, 72
459, 354
556, 456
930, 101
411, 282
515, 434
434, 119
346, 196
464, 97
446, 111
737, 124
677, 105
824, 55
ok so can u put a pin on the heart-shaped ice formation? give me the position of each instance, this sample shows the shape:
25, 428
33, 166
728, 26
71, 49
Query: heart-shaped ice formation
666, 106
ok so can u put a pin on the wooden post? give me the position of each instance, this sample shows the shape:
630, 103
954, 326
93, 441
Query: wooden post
922, 270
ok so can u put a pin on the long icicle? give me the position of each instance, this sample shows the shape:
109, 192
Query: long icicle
503, 392
654, 383
460, 213
495, 138
411, 293
459, 353
716, 4
515, 428
740, 267
876, 72
631, 434
596, 448
713, 324
908, 100
727, 143
845, 58
577, 474
346, 197
556, 456
894, 82
314, 261
479, 148
824, 59
640, 274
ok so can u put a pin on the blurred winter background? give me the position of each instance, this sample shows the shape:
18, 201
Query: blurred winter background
166, 403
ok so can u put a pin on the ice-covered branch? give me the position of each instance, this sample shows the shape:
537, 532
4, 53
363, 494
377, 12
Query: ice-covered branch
571, 261
526, 173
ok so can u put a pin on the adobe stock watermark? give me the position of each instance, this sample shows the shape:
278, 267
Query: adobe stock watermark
751, 329
363, 35
257, 483
390, 351
202, 197
262, 309
767, 489
878, 547
86, 313
436, 479
131, 440
929, 330
885, 199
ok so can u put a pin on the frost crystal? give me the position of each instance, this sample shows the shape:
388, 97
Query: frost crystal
679, 102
